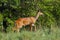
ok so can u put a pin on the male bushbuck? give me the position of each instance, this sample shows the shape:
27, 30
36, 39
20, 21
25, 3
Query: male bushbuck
19, 23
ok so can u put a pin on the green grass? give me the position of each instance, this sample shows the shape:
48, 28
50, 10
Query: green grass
27, 35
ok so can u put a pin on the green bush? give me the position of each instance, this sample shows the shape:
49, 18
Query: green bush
1, 22
10, 25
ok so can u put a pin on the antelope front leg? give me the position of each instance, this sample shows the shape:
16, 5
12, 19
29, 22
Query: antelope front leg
33, 25
35, 28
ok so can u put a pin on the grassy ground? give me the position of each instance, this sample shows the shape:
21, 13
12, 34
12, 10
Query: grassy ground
27, 35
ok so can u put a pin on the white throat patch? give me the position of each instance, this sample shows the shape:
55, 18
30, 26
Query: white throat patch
33, 25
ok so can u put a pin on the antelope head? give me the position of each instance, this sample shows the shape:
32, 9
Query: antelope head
40, 13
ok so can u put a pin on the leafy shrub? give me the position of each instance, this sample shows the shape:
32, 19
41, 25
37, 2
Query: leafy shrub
1, 22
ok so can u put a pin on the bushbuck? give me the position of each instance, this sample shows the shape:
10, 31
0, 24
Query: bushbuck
19, 23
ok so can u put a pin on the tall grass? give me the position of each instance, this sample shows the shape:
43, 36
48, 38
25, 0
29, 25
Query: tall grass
28, 35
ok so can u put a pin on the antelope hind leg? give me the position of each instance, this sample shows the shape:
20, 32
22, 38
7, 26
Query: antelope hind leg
31, 27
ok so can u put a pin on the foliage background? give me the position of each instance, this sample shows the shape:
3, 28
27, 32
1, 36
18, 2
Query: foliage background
14, 9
